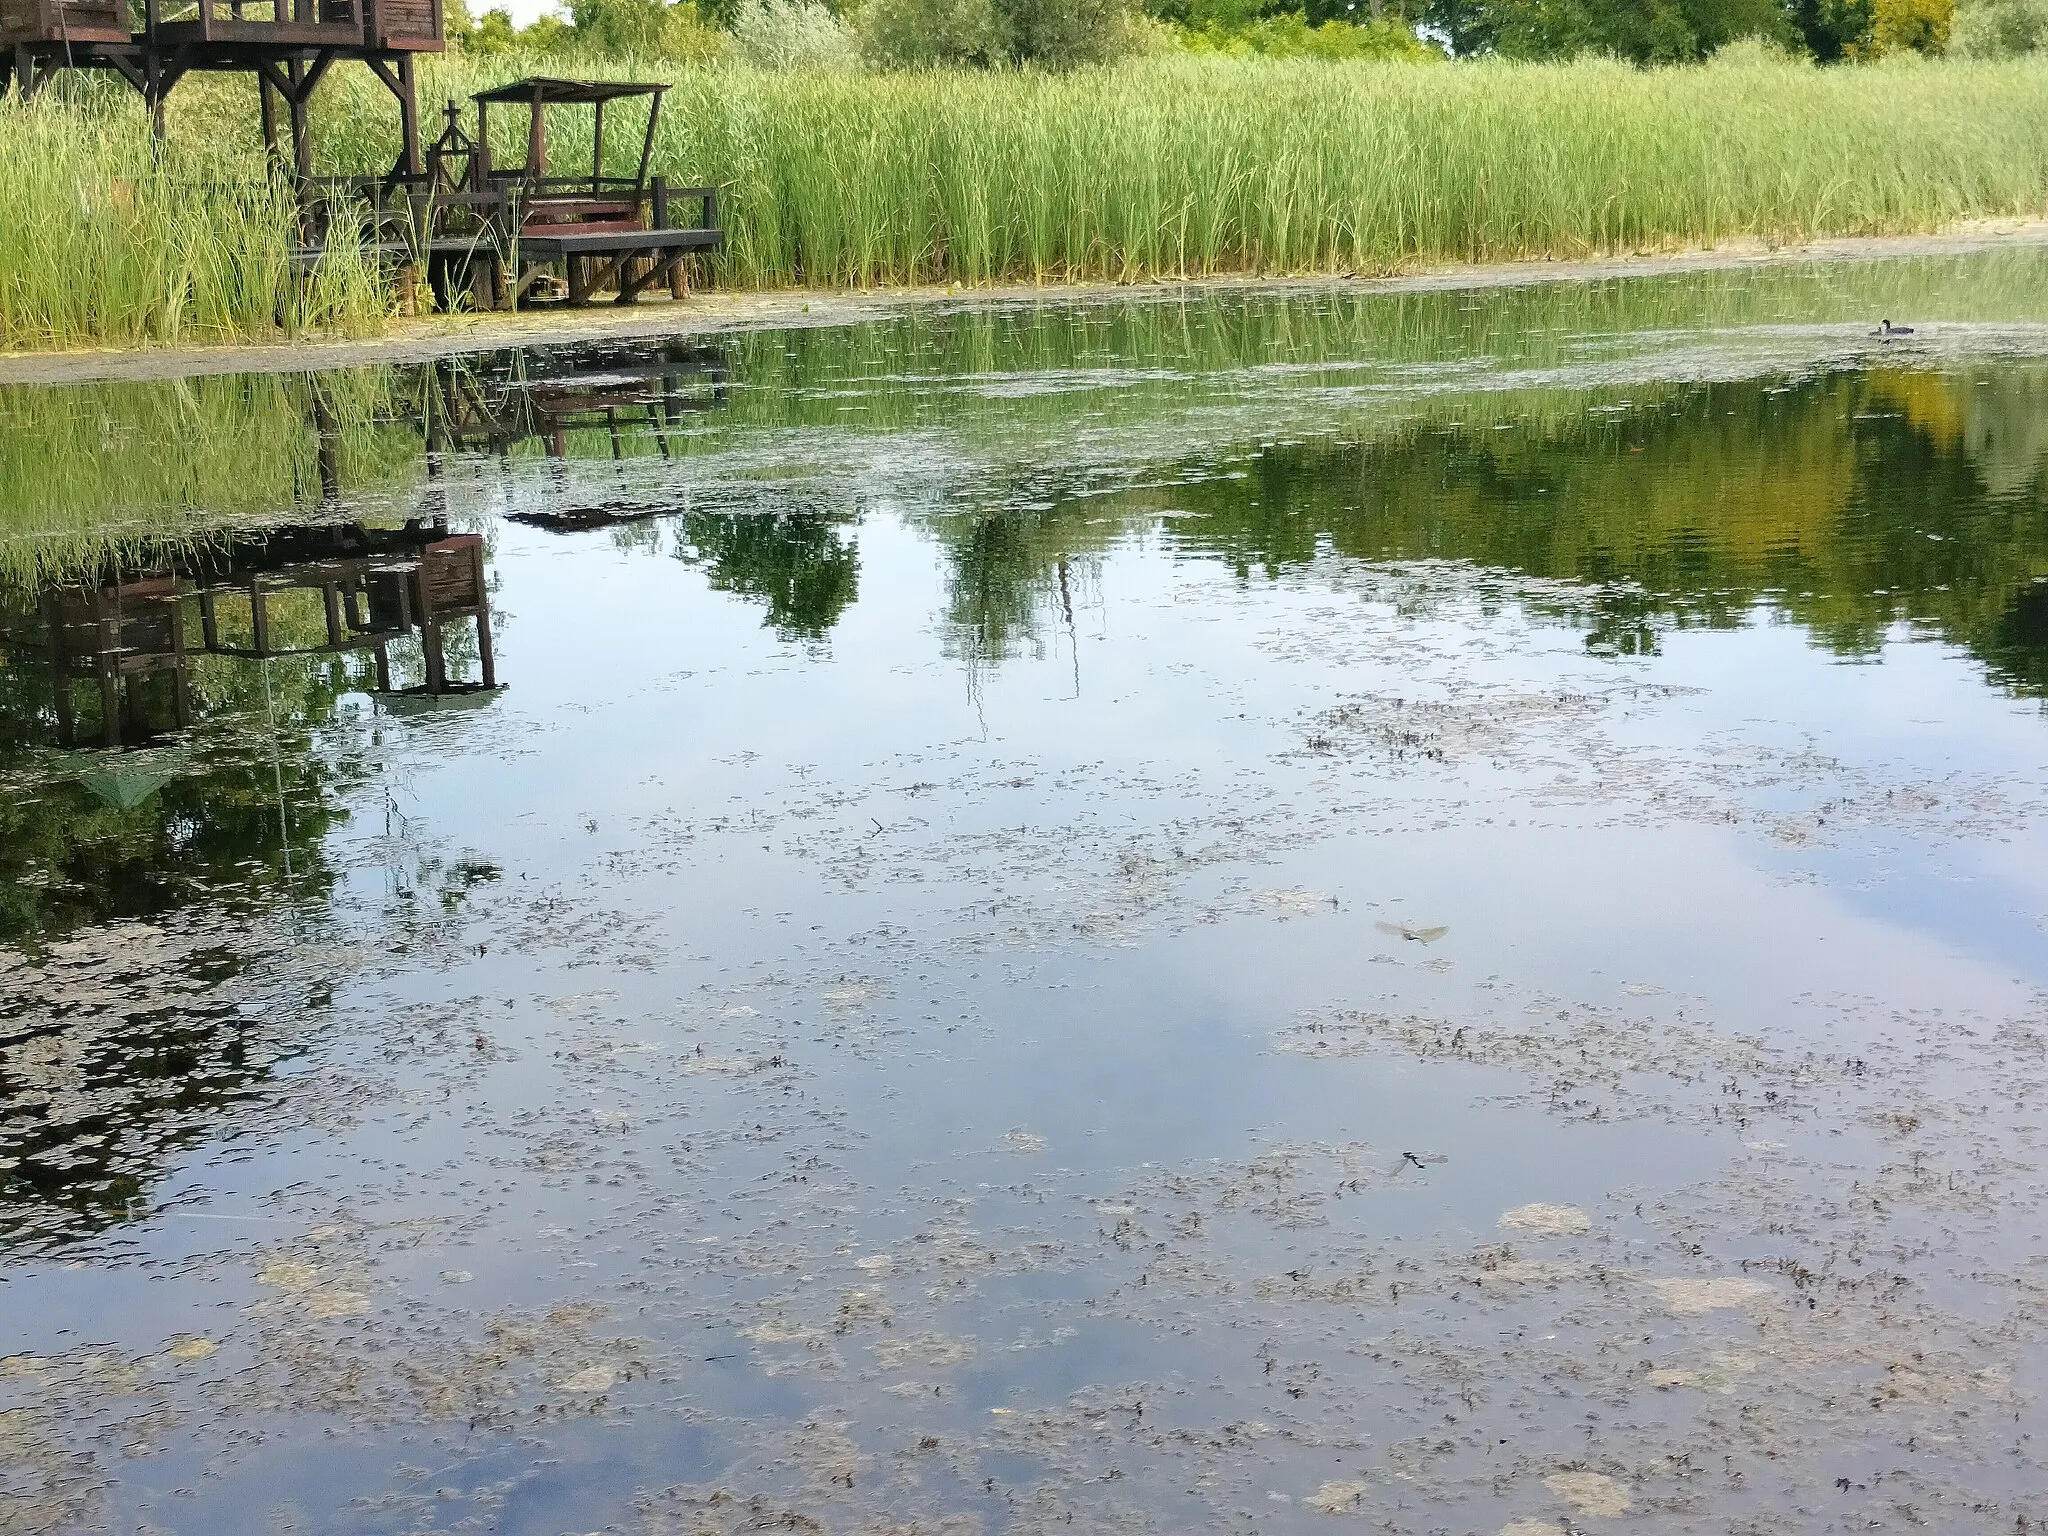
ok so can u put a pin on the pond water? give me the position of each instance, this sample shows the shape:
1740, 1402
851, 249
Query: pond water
1273, 912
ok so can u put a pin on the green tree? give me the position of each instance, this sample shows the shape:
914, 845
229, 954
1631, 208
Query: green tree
1642, 31
2000, 29
1055, 34
619, 26
1833, 29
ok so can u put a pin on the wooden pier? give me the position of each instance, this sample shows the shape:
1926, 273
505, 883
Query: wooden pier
493, 236
288, 45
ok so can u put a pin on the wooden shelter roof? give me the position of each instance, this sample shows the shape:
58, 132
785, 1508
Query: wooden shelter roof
548, 91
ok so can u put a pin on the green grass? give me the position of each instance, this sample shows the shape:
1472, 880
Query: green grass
1176, 167
105, 241
1160, 168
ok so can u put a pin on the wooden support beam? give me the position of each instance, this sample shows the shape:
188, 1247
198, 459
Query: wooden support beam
302, 128
402, 84
537, 141
266, 92
647, 144
409, 116
483, 617
665, 267
130, 71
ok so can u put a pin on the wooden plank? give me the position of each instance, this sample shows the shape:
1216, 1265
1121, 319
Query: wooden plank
645, 242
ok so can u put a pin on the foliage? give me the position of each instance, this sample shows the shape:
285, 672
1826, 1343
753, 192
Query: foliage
601, 29
102, 240
1679, 31
971, 177
1911, 26
798, 563
1833, 30
1291, 36
1054, 34
794, 34
1997, 29
1641, 31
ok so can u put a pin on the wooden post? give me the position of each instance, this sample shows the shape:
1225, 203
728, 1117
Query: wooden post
647, 144
267, 96
597, 150
537, 141
302, 130
259, 616
431, 652
409, 116
181, 692
483, 619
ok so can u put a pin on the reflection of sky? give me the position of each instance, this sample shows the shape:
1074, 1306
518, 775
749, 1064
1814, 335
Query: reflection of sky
638, 699
1087, 888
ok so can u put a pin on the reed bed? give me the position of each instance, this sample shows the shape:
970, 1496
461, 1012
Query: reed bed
1178, 167
107, 240
1164, 167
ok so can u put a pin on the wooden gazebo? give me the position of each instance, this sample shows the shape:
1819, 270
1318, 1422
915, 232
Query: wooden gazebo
603, 230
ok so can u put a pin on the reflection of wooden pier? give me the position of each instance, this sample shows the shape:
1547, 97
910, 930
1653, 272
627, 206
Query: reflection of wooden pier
376, 586
547, 397
117, 636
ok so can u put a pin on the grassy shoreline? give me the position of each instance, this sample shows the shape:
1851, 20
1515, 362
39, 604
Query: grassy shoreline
729, 312
1159, 169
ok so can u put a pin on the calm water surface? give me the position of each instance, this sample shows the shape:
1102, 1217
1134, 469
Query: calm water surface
1420, 913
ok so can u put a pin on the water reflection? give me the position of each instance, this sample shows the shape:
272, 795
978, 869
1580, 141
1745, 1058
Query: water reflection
124, 642
580, 401
1051, 1079
1850, 503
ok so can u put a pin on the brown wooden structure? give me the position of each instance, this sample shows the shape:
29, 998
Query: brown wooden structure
377, 585
288, 45
603, 231
493, 406
116, 636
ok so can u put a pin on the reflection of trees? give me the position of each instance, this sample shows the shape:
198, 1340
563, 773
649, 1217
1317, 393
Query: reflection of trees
1852, 503
68, 858
795, 562
145, 896
1007, 570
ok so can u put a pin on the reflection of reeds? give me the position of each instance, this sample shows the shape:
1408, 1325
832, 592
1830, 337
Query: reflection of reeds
104, 240
1179, 166
98, 472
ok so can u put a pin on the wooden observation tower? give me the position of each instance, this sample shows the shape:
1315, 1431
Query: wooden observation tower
289, 45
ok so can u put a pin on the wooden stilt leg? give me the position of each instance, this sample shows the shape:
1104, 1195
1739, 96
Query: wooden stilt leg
409, 117
483, 621
267, 94
302, 130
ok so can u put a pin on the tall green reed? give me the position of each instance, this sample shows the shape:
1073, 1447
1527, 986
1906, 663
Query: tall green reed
107, 239
1193, 166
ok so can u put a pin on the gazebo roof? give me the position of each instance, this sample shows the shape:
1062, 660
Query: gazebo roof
548, 91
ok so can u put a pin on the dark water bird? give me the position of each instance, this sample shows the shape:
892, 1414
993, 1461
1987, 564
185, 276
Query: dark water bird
1887, 331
